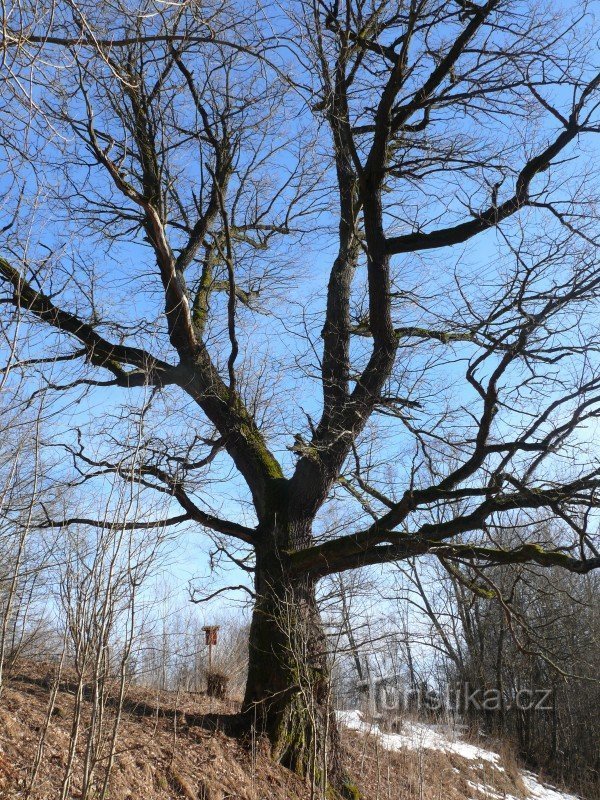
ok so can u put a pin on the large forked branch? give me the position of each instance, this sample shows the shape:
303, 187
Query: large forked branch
136, 525
346, 414
196, 373
194, 514
336, 431
202, 382
336, 331
171, 486
378, 545
148, 370
177, 304
318, 562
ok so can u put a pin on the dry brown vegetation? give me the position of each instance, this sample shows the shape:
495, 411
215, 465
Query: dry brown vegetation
426, 774
170, 746
178, 745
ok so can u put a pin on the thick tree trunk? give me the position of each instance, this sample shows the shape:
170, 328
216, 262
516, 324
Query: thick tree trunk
288, 693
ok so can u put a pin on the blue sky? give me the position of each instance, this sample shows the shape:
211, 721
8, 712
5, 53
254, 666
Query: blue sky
274, 344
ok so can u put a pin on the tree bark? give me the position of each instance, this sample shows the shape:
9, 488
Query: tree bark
288, 691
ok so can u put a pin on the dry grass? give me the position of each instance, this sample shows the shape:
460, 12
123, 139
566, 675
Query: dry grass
172, 747
426, 774
180, 751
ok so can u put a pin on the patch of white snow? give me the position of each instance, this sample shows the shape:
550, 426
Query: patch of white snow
538, 791
418, 736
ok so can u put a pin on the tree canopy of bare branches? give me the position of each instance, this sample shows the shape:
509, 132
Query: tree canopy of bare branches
349, 249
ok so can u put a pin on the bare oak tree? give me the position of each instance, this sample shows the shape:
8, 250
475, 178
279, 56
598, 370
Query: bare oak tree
187, 154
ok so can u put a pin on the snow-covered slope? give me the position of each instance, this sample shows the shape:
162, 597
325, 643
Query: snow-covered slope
419, 736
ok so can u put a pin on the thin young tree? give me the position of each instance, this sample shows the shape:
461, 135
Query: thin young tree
439, 370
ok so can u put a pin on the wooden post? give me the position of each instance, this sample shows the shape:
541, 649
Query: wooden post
210, 633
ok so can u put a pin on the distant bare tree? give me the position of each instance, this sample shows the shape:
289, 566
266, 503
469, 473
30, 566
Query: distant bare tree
98, 582
24, 551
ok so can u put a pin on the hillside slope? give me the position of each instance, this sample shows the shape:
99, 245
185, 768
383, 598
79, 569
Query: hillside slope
184, 746
482, 773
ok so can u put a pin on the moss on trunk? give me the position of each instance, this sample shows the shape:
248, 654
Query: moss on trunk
288, 696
